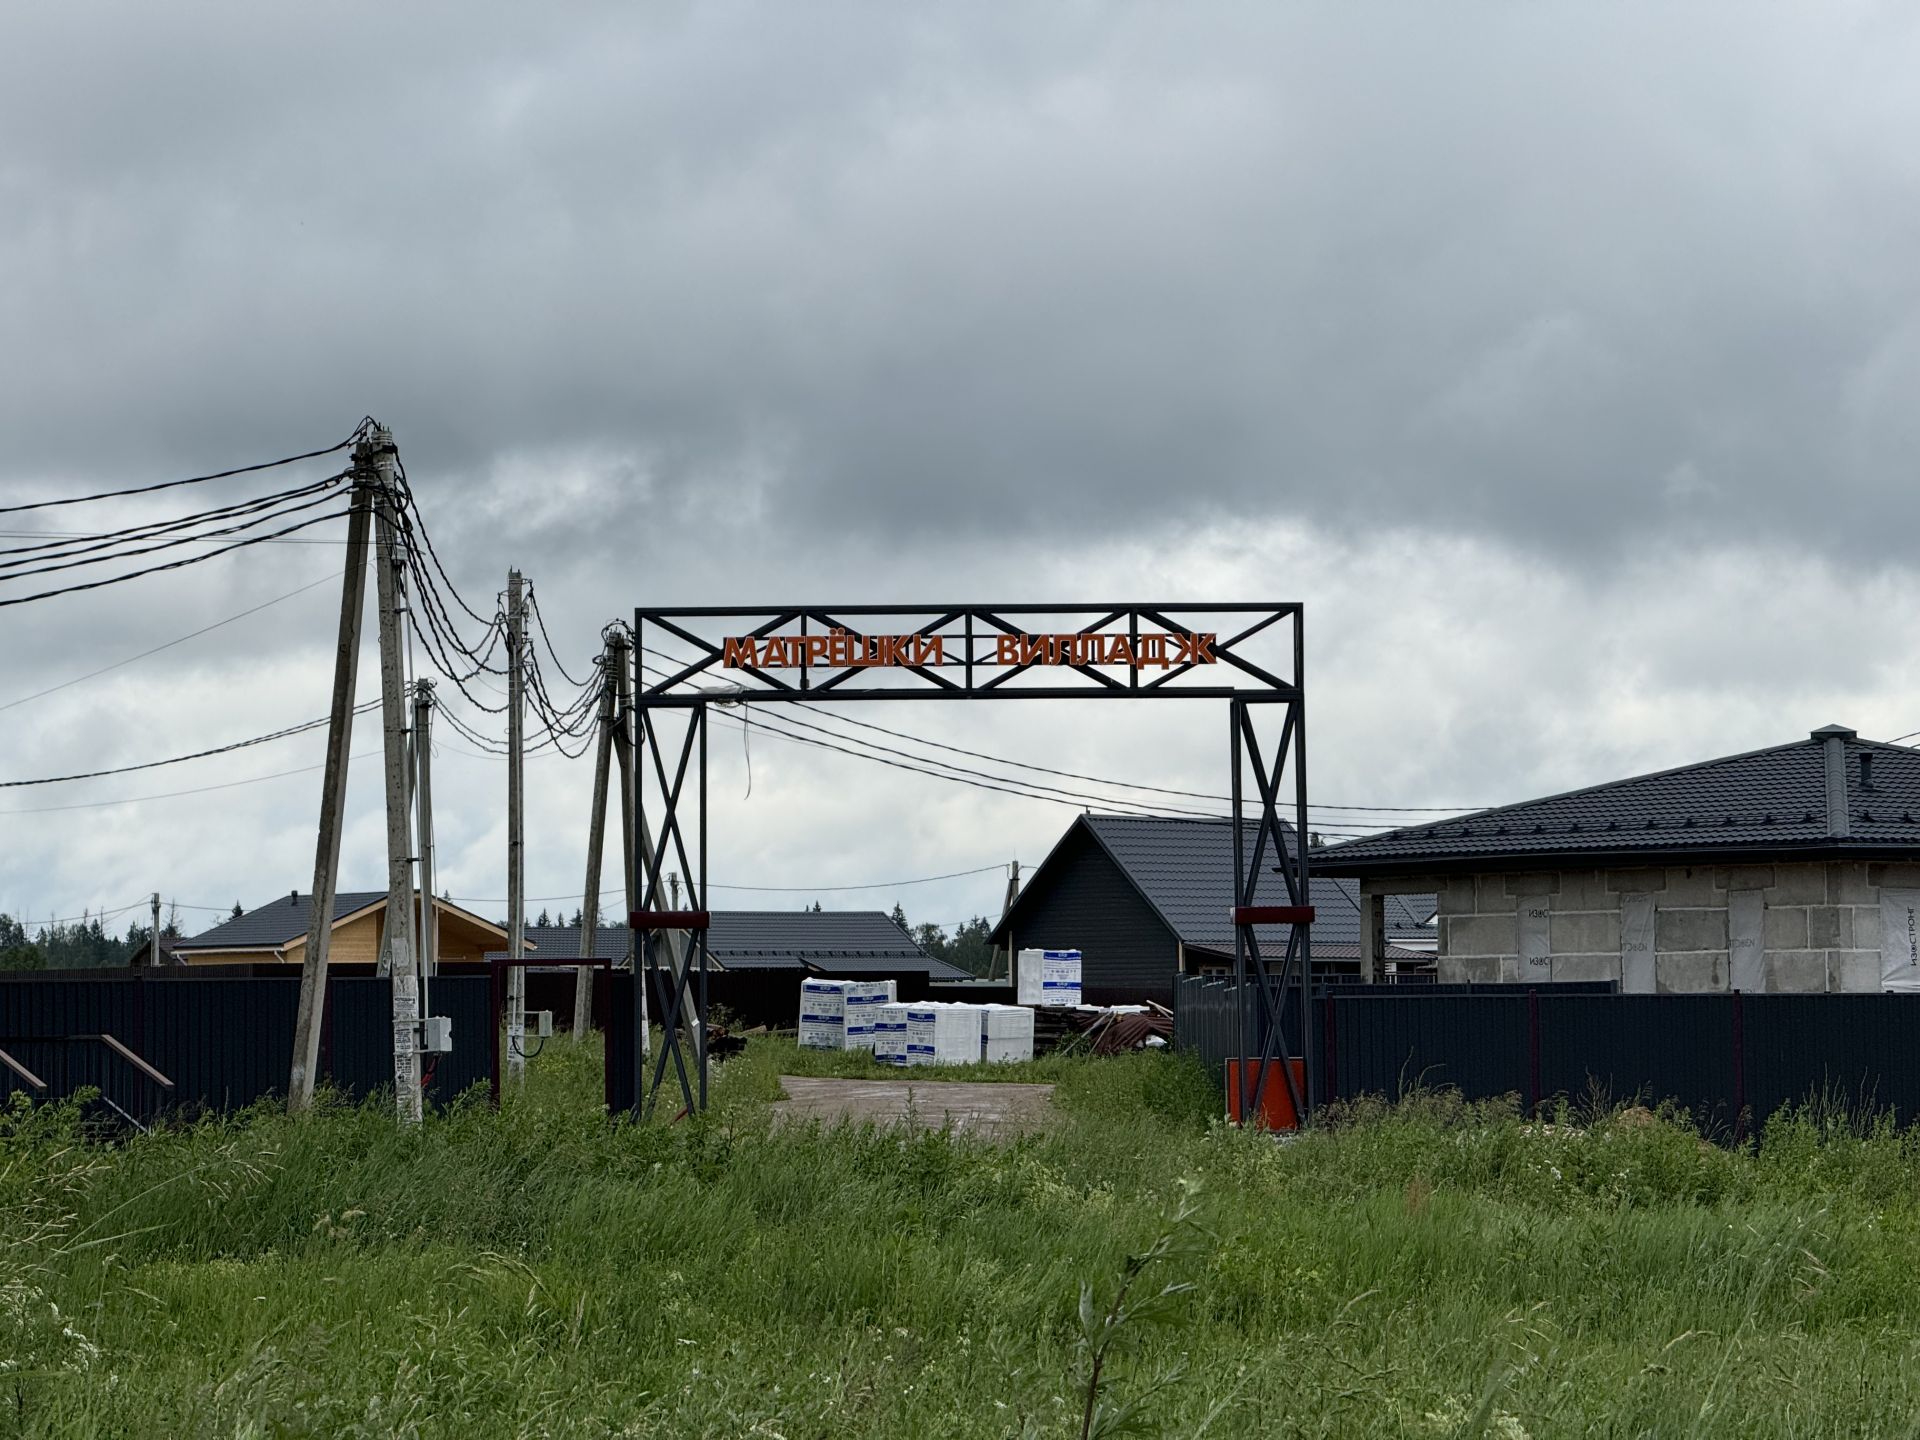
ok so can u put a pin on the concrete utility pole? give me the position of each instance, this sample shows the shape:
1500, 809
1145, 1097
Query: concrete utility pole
405, 974
620, 661
1006, 909
516, 891
596, 843
155, 962
333, 791
423, 802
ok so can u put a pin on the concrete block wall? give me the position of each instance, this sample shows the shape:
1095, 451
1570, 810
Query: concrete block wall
1818, 926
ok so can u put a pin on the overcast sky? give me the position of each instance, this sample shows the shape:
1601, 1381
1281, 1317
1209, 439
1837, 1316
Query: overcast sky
1562, 360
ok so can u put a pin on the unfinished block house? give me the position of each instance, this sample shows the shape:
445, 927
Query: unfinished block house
1795, 868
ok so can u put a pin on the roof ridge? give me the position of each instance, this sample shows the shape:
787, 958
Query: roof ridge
1468, 816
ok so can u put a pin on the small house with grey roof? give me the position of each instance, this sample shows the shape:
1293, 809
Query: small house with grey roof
1145, 898
1793, 868
756, 959
845, 944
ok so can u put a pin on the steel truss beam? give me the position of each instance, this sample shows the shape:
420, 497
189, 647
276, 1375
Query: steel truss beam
673, 980
968, 667
1262, 980
972, 666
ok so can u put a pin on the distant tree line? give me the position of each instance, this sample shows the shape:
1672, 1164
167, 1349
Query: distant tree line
968, 946
83, 944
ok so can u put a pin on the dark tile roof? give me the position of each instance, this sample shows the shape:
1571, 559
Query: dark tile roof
557, 944
828, 942
1751, 805
277, 922
1184, 869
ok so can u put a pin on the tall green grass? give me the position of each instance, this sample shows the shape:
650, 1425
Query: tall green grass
1430, 1269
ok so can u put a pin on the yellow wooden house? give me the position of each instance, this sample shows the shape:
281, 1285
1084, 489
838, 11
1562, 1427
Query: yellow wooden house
276, 933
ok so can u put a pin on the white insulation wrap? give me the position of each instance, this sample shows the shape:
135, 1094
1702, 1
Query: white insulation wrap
940, 1034
823, 1014
864, 999
1636, 945
1006, 1033
1899, 939
1047, 977
1746, 941
890, 1035
1026, 978
1536, 938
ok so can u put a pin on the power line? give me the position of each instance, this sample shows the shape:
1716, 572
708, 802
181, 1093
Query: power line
177, 794
196, 755
962, 775
192, 635
111, 545
766, 889
190, 480
175, 564
27, 924
874, 885
1325, 808
1117, 784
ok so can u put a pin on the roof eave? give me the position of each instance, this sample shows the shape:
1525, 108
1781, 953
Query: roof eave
1362, 867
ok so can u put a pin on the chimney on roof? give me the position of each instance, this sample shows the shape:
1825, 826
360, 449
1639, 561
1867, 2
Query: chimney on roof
294, 899
1833, 739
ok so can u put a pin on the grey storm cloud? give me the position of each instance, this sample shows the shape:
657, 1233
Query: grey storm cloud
1568, 275
1561, 359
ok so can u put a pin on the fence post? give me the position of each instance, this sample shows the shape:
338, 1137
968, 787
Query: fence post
1739, 1071
603, 999
1331, 1047
328, 1002
1533, 1053
495, 999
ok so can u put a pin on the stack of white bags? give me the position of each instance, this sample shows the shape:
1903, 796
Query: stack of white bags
934, 1032
1048, 977
842, 1014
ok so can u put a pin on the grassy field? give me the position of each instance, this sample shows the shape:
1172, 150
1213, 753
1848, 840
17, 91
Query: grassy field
1430, 1270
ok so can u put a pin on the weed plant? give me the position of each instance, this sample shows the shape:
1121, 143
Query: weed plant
1432, 1268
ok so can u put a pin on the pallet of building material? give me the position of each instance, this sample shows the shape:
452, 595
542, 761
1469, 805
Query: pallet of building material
1047, 977
890, 1035
823, 1014
864, 999
1006, 1033
943, 1034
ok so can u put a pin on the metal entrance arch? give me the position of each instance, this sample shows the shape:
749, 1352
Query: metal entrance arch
1248, 655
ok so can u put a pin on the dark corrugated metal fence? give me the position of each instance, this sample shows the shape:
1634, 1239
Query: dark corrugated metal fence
225, 1042
1732, 1060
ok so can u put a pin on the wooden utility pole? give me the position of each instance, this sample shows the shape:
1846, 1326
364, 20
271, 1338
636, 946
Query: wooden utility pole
155, 962
516, 877
596, 842
423, 801
333, 791
404, 976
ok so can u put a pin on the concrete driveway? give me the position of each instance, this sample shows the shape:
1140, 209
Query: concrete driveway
977, 1109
